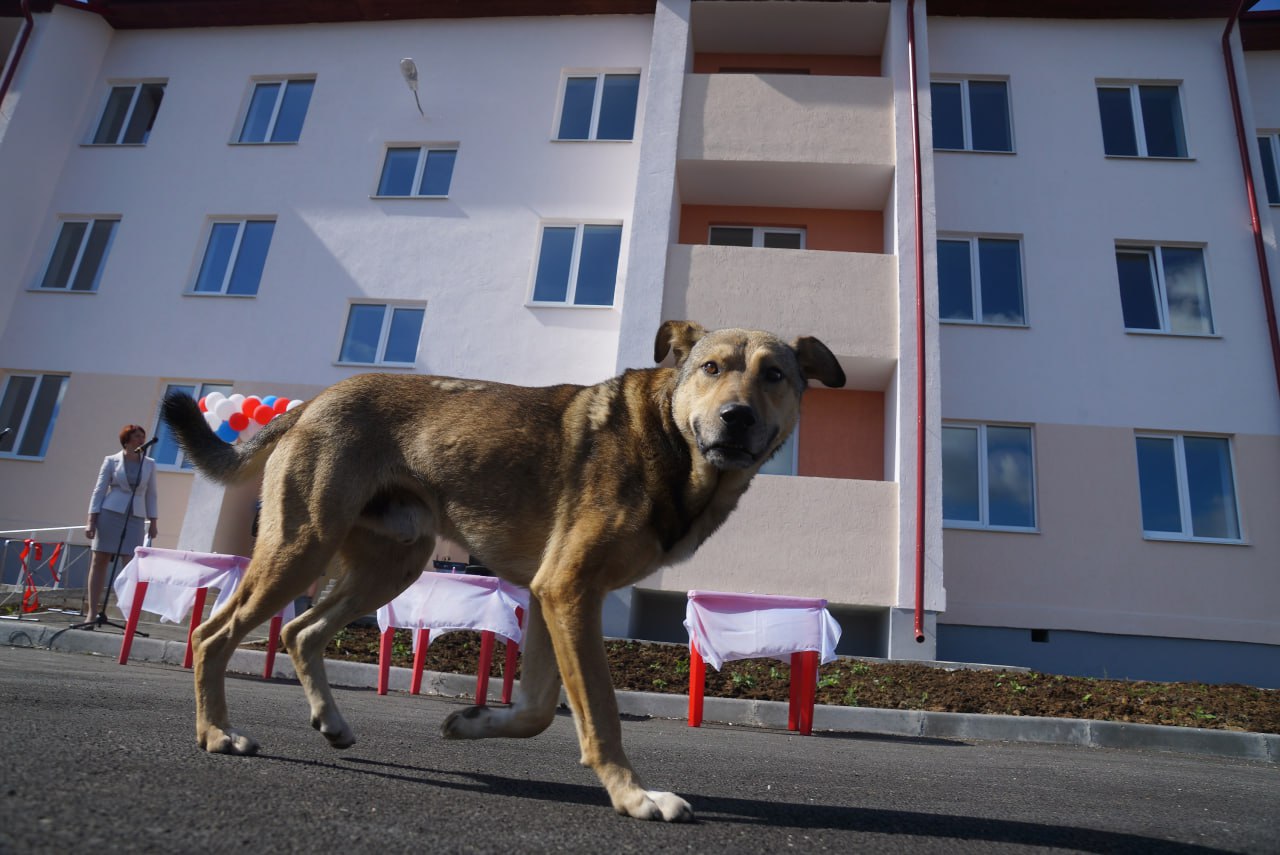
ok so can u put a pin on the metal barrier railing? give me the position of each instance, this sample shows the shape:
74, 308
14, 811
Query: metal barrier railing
34, 560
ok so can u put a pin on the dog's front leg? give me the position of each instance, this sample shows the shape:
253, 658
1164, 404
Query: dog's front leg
536, 697
575, 625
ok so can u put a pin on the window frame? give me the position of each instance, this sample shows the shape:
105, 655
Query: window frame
1155, 252
90, 222
596, 103
975, 279
758, 233
966, 112
1271, 155
232, 259
1139, 123
983, 522
384, 333
136, 86
1187, 535
161, 429
245, 113
424, 153
24, 422
571, 289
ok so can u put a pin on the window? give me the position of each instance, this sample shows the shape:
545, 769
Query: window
78, 255
1164, 289
1140, 120
234, 258
971, 115
276, 111
578, 265
1187, 487
167, 452
599, 107
28, 408
129, 114
1269, 153
382, 334
765, 236
988, 477
417, 171
784, 460
980, 279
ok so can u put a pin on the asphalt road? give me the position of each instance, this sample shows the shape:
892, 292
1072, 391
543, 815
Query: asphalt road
96, 757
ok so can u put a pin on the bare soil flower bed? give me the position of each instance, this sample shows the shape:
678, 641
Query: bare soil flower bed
646, 667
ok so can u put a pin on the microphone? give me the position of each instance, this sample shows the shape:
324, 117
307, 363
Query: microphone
5, 431
142, 449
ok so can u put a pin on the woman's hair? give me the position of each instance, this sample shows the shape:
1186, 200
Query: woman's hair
128, 429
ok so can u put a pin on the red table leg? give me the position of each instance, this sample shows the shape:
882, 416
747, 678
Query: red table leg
509, 666
810, 670
273, 642
197, 615
419, 660
482, 671
131, 625
384, 658
697, 683
793, 707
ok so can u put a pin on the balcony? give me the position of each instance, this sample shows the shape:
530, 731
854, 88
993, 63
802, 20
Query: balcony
786, 140
802, 537
847, 299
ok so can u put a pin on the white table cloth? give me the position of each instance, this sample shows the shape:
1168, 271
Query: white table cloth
727, 626
174, 575
444, 602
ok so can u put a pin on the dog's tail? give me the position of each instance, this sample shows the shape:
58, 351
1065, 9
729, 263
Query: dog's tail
219, 460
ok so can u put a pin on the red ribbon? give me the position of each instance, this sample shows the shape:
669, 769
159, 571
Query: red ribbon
30, 596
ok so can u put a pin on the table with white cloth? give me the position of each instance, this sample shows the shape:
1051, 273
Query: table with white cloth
446, 602
724, 627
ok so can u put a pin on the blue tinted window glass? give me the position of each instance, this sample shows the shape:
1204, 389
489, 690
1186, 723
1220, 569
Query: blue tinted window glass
65, 251
1267, 151
114, 114
1162, 121
948, 116
989, 115
216, 257
554, 262
955, 281
1211, 488
398, 171
1158, 483
618, 107
297, 95
1010, 493
144, 113
575, 114
364, 328
251, 258
730, 236
960, 474
437, 175
1137, 290
166, 450
95, 253
598, 265
1000, 269
258, 118
44, 412
1186, 290
1118, 136
402, 338
17, 393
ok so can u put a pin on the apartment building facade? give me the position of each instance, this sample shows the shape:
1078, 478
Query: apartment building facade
252, 200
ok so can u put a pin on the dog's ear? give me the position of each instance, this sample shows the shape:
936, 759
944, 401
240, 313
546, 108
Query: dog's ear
679, 336
817, 362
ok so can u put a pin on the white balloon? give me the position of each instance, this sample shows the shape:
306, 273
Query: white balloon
226, 409
238, 400
294, 403
212, 419
253, 428
212, 400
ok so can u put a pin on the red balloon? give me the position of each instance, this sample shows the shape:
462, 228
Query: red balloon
281, 405
238, 421
263, 414
250, 404
203, 407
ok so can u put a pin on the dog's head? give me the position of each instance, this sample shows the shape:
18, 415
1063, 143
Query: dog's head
738, 392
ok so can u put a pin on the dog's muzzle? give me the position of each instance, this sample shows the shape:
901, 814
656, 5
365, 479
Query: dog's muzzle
735, 439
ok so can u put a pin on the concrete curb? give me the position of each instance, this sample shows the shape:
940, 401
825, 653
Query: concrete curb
911, 724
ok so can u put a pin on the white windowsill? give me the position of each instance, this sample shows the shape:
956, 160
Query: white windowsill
973, 151
36, 289
219, 294
558, 140
409, 198
1170, 334
380, 366
985, 324
262, 143
999, 529
1187, 159
532, 305
1173, 537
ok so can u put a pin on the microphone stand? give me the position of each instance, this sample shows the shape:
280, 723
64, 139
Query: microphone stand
101, 619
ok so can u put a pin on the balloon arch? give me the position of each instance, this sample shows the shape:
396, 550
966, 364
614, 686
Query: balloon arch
234, 417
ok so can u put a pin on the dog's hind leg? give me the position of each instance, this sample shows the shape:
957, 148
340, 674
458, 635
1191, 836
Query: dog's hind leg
375, 571
537, 695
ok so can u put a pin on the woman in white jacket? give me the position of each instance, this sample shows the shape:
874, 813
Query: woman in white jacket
124, 495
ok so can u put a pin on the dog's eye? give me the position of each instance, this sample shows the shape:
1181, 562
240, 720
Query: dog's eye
711, 368
773, 375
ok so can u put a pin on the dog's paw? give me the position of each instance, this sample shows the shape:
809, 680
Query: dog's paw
464, 724
229, 741
339, 733
652, 804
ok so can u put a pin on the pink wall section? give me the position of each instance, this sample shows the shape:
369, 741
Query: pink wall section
842, 434
764, 63
840, 231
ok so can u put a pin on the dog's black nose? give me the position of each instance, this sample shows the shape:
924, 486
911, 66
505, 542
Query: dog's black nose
738, 415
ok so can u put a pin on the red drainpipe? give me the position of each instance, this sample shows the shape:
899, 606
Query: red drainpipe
1242, 137
21, 46
920, 390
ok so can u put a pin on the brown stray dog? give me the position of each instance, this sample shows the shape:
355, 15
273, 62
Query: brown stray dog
571, 491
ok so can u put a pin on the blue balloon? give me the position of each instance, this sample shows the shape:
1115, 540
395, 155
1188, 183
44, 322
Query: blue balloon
270, 400
227, 433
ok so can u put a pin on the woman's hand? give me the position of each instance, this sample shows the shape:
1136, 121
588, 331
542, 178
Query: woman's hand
153, 530
91, 528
